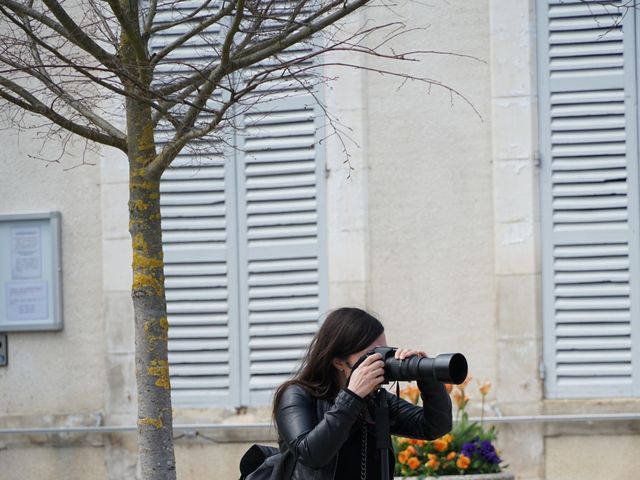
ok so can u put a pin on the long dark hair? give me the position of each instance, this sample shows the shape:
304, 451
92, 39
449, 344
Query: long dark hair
344, 332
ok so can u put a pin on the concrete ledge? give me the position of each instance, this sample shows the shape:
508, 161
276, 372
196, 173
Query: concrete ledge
481, 476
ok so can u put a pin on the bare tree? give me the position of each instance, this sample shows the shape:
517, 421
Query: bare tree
85, 65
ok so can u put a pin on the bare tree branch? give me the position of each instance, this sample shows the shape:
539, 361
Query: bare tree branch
126, 19
191, 17
74, 103
178, 142
295, 26
149, 17
226, 47
20, 9
160, 55
208, 87
24, 99
40, 72
74, 33
267, 48
107, 29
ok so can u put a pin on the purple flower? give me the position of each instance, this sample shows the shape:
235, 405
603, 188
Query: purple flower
488, 452
469, 448
484, 449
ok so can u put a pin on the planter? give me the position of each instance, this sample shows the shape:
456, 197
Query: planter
479, 476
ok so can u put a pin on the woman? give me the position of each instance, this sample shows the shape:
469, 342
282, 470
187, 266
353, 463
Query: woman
323, 414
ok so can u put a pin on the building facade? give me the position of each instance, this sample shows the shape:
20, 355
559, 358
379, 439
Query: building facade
496, 216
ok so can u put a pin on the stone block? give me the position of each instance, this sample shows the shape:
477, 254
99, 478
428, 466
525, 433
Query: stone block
514, 128
121, 378
344, 147
516, 248
591, 456
72, 463
54, 372
121, 457
518, 374
515, 185
522, 447
513, 47
197, 462
117, 274
115, 210
519, 306
346, 201
343, 92
119, 322
352, 294
114, 166
347, 254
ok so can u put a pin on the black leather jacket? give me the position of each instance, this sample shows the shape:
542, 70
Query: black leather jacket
312, 431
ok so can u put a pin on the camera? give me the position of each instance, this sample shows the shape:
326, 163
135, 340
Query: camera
446, 367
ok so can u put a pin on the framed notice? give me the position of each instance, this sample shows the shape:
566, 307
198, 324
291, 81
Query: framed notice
30, 272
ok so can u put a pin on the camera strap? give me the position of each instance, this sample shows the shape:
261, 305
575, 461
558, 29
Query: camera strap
383, 432
364, 452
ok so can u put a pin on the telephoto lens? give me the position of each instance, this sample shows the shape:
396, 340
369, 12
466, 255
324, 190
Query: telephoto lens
447, 367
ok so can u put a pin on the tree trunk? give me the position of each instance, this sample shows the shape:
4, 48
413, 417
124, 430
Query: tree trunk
155, 432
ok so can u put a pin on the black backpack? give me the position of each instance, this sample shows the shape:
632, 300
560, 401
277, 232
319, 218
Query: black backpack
259, 462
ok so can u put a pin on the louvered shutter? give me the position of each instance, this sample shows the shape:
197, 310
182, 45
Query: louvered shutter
589, 197
199, 242
243, 235
281, 237
200, 284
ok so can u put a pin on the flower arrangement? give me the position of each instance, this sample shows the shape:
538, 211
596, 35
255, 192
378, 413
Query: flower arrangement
467, 449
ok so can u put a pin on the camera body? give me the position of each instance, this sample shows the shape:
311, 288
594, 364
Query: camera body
446, 367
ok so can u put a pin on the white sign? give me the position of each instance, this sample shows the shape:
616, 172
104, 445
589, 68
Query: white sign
26, 257
27, 300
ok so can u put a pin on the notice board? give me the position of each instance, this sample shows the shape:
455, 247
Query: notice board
30, 272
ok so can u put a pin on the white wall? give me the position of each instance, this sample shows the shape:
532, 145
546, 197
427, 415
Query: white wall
56, 379
430, 202
60, 372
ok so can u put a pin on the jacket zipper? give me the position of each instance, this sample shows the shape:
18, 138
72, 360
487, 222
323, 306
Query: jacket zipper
335, 466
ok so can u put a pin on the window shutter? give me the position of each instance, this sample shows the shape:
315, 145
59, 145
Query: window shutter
199, 281
243, 236
589, 197
199, 243
280, 173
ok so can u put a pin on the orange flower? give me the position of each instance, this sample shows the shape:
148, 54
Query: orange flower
451, 456
411, 393
418, 443
484, 387
460, 399
463, 462
447, 438
440, 444
403, 456
411, 450
449, 387
432, 461
413, 463
466, 381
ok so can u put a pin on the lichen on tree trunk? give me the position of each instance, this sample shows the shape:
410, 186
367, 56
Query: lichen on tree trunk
155, 433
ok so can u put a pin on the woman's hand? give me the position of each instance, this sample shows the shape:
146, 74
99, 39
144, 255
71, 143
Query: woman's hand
367, 376
402, 353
